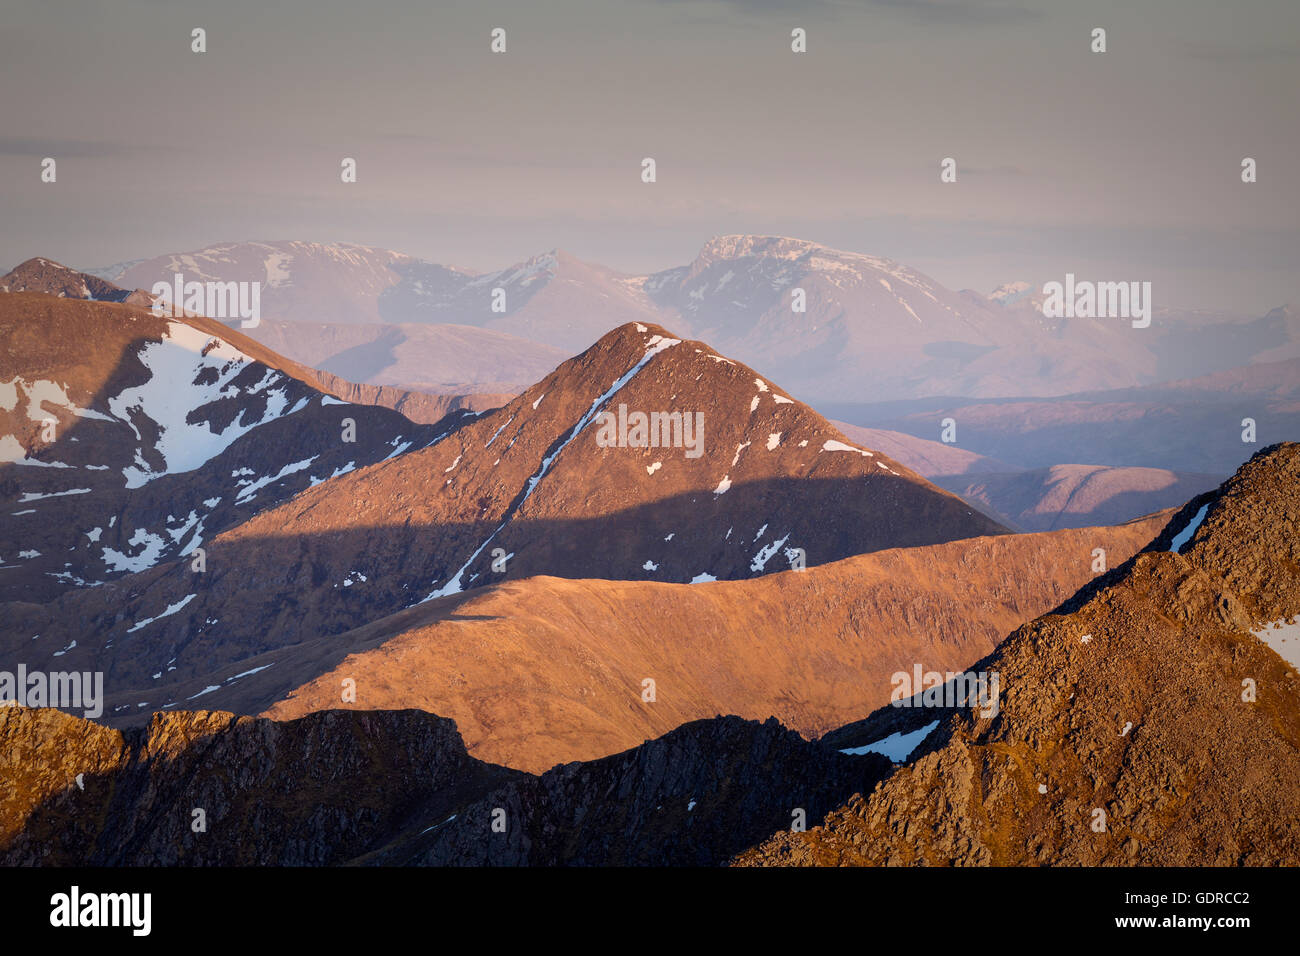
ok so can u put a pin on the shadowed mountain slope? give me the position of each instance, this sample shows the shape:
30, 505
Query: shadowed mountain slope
212, 789
131, 453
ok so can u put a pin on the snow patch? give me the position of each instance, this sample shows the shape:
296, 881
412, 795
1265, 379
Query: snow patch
36, 496
1283, 637
897, 747
1185, 535
171, 609
151, 545
251, 488
765, 553
172, 400
840, 446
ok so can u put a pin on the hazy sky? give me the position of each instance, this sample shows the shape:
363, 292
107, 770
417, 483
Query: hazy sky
1122, 165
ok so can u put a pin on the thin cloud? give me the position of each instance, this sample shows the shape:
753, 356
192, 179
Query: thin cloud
1253, 53
957, 12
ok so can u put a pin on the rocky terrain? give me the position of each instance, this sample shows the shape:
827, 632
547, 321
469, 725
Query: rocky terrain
211, 789
1151, 720
684, 799
52, 278
317, 791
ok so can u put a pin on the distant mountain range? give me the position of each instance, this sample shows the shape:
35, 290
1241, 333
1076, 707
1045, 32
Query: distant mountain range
1076, 496
872, 329
1107, 437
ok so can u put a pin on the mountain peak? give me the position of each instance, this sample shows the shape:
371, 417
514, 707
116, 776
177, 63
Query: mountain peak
39, 274
1010, 292
738, 246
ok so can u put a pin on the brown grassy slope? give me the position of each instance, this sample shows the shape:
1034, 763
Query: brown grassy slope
545, 670
1149, 720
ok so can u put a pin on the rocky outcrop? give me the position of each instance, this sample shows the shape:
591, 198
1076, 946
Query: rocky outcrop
384, 787
692, 797
208, 788
1150, 721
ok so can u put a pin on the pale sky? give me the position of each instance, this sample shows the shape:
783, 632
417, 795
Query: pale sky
1116, 166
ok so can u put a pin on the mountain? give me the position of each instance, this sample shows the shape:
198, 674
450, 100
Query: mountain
312, 792
381, 317
1152, 720
544, 670
51, 278
393, 787
688, 798
1040, 499
1076, 496
436, 358
876, 330
553, 299
118, 458
764, 484
873, 329
449, 366
300, 281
